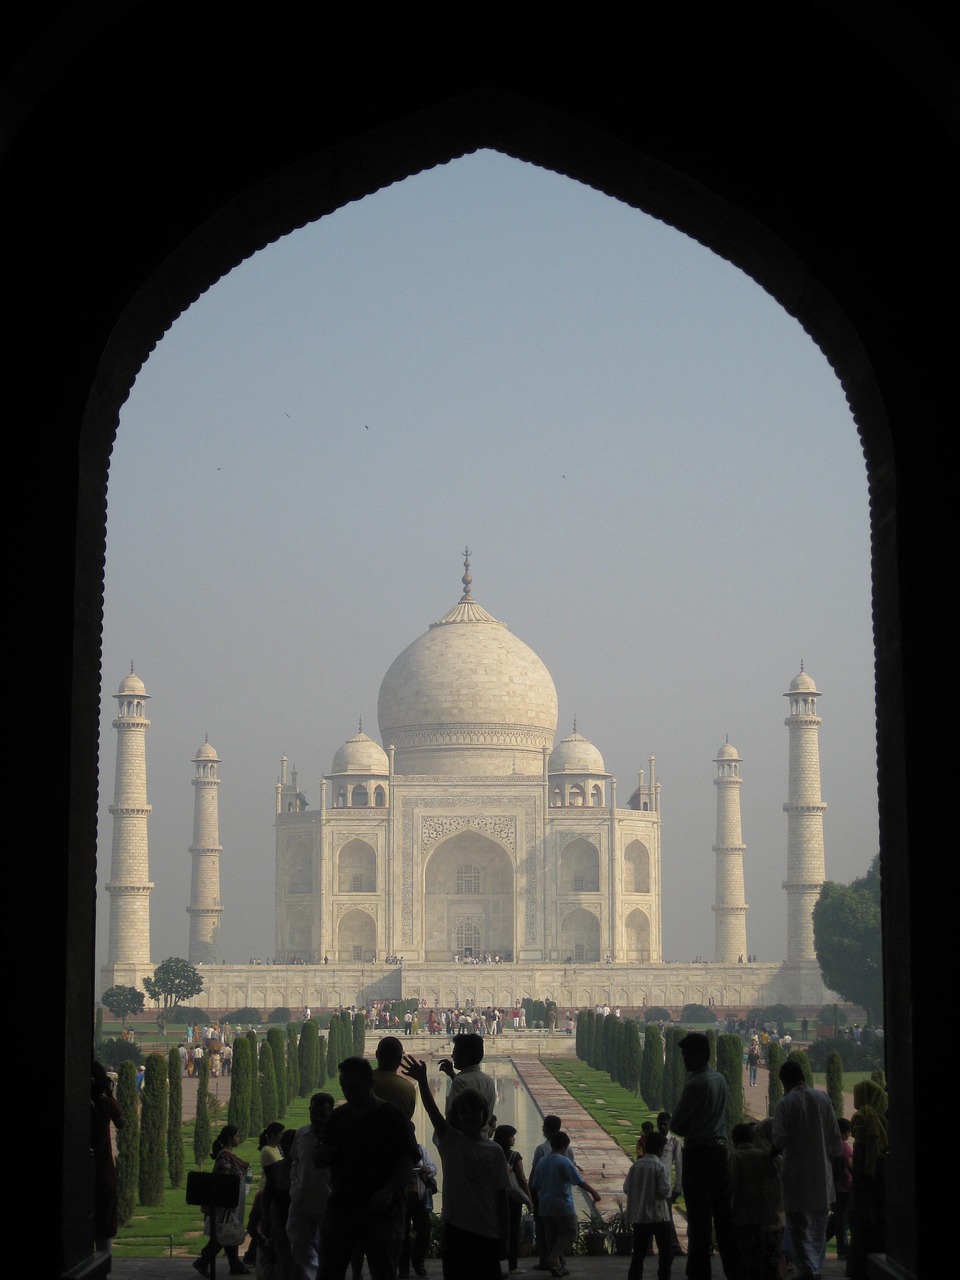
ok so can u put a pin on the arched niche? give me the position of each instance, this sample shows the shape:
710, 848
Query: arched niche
356, 937
636, 936
579, 868
580, 937
636, 868
357, 868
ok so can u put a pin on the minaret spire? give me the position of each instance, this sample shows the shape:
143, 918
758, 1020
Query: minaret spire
466, 579
130, 885
205, 909
730, 907
804, 809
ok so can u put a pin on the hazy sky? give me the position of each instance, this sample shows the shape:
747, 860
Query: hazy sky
655, 468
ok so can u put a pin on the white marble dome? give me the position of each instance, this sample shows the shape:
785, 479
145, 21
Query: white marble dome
802, 684
468, 698
576, 754
361, 755
132, 684
727, 752
206, 752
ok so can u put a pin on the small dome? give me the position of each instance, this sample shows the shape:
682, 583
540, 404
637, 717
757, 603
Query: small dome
361, 754
728, 752
575, 754
803, 684
133, 684
206, 752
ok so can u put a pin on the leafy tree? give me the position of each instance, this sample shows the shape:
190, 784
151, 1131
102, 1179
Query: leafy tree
175, 1160
112, 1052
256, 1102
241, 1083
245, 1014
308, 1050
657, 1013
831, 1015
277, 1041
846, 935
281, 1015
774, 1087
174, 979
268, 1085
730, 1066
632, 1057
835, 1083
651, 1076
128, 1142
122, 1001
293, 1062
201, 1125
800, 1056
674, 1072
153, 1130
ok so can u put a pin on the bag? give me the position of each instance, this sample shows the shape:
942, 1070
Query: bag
230, 1229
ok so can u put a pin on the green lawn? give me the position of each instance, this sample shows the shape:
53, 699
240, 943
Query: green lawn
615, 1110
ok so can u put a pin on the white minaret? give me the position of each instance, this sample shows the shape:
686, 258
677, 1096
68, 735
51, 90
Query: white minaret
130, 885
205, 909
730, 908
804, 810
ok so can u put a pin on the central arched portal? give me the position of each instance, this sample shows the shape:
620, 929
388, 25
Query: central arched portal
468, 899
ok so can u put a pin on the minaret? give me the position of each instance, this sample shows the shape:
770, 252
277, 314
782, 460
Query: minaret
205, 909
730, 908
804, 810
130, 885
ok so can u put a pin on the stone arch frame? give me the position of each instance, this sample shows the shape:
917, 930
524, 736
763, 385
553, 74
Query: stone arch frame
636, 867
356, 928
637, 935
581, 928
494, 907
803, 258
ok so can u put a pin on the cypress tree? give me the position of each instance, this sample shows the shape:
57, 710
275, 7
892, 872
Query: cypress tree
674, 1073
268, 1085
334, 1056
585, 1035
597, 1059
360, 1033
293, 1062
712, 1039
238, 1112
609, 1046
128, 1142
256, 1102
321, 1061
307, 1054
201, 1125
276, 1039
800, 1055
730, 1066
632, 1057
774, 1087
153, 1131
651, 1080
578, 1035
175, 1156
835, 1082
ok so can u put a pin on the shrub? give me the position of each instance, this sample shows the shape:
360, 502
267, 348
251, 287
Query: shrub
853, 1057
835, 1083
657, 1013
651, 1073
692, 1013
278, 1047
280, 1015
771, 1013
175, 1161
730, 1066
831, 1015
307, 1052
201, 1126
128, 1142
268, 1085
153, 1130
246, 1014
113, 1052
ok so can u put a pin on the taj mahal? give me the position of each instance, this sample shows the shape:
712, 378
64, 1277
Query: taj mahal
495, 860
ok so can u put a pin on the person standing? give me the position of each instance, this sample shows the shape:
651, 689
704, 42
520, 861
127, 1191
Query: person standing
388, 1084
700, 1118
464, 1070
805, 1130
553, 1181
648, 1209
309, 1189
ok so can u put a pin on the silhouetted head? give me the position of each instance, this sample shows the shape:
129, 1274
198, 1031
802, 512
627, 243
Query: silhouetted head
695, 1050
467, 1050
791, 1074
389, 1053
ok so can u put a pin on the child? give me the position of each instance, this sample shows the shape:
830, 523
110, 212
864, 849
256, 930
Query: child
648, 1208
553, 1181
475, 1182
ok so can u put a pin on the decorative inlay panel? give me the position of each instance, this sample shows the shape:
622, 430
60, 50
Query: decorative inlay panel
502, 829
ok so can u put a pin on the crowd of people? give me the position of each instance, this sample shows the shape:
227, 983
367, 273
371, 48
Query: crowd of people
356, 1183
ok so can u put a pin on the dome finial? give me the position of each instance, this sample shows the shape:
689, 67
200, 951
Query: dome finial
360, 724
466, 579
801, 666
574, 724
131, 666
